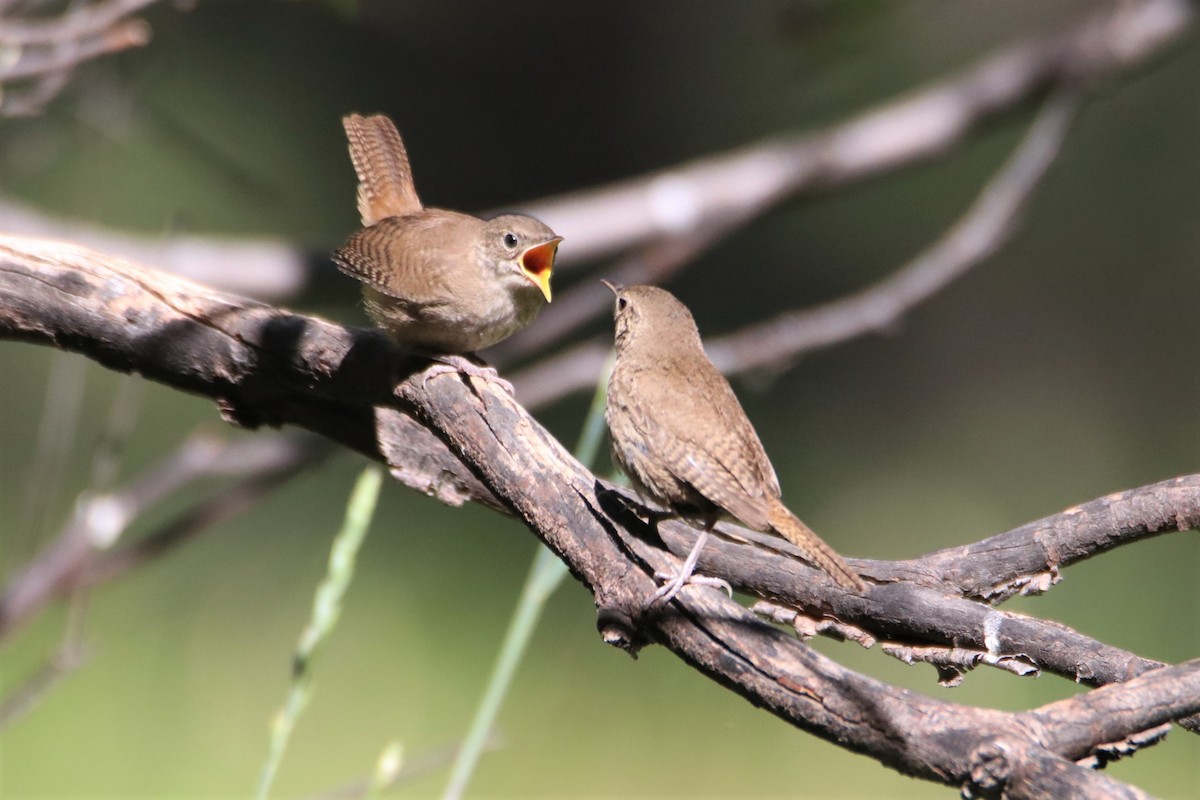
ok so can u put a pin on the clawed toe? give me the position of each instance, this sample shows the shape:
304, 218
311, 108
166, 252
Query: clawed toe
676, 581
463, 365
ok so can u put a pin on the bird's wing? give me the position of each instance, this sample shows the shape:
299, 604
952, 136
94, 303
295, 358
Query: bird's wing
385, 183
393, 257
708, 442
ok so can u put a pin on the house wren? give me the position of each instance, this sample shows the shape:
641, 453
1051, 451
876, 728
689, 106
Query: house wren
683, 439
439, 282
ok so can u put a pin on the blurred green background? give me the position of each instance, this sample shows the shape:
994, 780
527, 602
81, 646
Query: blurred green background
1061, 370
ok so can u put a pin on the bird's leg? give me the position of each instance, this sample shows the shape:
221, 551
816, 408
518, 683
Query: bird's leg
449, 363
676, 582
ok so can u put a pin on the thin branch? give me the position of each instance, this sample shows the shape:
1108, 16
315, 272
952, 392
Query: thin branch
48, 51
693, 196
1026, 560
978, 234
83, 20
259, 479
265, 269
79, 556
64, 57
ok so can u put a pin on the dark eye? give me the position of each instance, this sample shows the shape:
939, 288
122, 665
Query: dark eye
510, 240
621, 303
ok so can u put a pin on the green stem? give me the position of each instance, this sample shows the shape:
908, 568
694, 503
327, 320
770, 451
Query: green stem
545, 575
327, 607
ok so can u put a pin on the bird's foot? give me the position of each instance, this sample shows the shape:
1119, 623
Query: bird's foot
686, 575
676, 581
465, 366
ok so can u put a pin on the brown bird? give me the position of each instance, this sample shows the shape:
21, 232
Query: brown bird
683, 439
439, 282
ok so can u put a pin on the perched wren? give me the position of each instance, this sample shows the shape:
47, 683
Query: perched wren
683, 439
439, 282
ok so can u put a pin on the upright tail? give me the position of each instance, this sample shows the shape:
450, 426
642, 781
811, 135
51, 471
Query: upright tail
786, 524
385, 183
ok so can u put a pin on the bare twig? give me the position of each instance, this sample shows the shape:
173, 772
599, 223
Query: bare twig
87, 19
64, 57
979, 233
48, 51
76, 558
612, 218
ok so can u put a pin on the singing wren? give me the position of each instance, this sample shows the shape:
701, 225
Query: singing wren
441, 283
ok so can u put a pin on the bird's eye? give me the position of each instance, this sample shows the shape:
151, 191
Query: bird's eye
621, 303
510, 240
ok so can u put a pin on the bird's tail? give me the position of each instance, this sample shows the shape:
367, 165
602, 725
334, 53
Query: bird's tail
385, 183
787, 525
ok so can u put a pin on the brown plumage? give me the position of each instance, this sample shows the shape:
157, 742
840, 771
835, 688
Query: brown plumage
680, 434
438, 281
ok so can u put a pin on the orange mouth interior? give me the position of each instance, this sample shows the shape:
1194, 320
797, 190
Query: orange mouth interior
538, 264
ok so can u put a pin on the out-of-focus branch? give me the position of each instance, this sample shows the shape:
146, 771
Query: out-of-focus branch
261, 268
81, 555
599, 222
705, 195
83, 20
42, 53
710, 198
979, 233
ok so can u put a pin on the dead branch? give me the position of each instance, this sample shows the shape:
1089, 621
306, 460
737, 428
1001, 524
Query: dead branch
459, 442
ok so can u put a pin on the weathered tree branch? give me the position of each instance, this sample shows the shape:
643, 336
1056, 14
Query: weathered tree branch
472, 442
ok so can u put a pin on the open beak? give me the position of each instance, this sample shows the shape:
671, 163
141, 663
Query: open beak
538, 262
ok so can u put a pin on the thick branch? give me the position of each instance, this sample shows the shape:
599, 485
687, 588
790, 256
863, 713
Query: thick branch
462, 442
261, 365
264, 365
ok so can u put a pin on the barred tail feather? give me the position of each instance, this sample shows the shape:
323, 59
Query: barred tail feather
385, 183
787, 525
